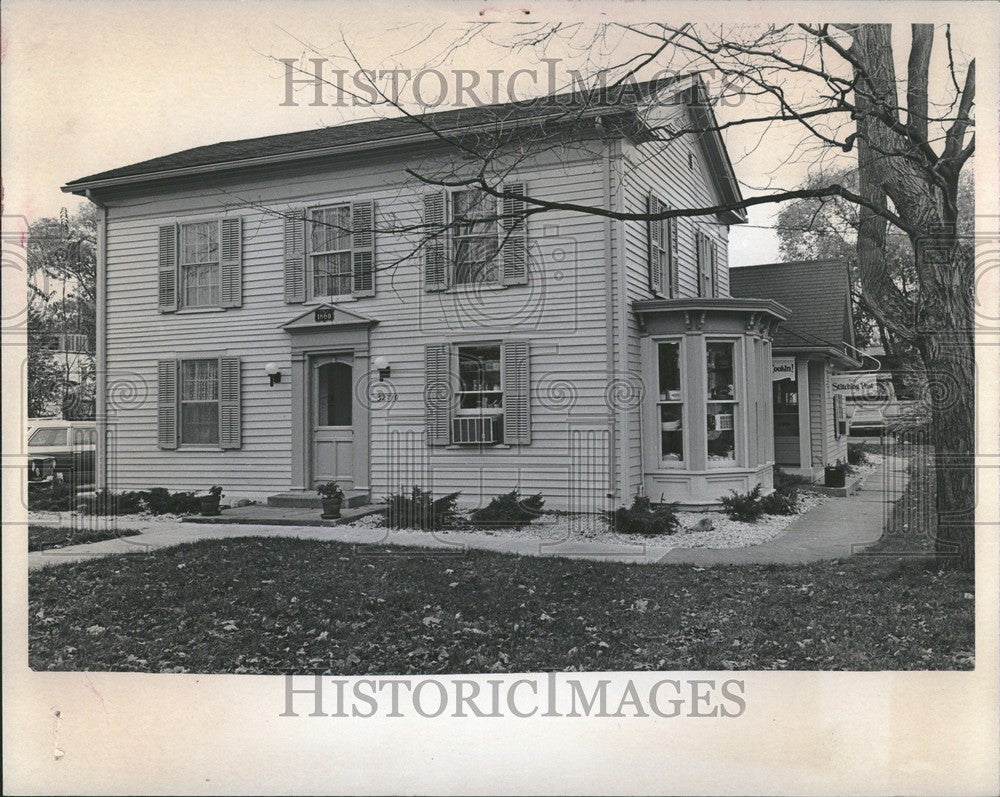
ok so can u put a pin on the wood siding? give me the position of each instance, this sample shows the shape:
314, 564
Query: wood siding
661, 169
562, 311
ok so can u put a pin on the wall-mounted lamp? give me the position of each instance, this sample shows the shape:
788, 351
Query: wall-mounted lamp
273, 373
382, 366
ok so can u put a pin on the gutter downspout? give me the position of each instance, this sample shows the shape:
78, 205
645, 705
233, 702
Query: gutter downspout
100, 364
609, 327
625, 488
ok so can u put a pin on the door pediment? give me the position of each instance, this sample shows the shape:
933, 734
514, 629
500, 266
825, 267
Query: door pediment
327, 316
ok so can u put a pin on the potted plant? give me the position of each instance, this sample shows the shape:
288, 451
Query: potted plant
210, 502
332, 497
835, 475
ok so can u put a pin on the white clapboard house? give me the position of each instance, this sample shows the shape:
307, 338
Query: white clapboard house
295, 309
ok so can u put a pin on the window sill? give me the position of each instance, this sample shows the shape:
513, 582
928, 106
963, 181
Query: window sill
472, 287
318, 300
467, 446
196, 310
183, 447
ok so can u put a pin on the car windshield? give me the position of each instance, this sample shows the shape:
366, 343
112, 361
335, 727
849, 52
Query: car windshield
54, 436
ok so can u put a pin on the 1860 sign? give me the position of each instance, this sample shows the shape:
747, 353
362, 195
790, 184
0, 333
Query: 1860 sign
323, 314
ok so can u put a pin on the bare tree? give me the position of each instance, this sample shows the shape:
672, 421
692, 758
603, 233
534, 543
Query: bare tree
824, 94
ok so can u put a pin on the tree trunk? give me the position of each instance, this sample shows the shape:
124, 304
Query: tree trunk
948, 349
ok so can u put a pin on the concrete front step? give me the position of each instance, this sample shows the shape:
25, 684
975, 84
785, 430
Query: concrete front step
311, 500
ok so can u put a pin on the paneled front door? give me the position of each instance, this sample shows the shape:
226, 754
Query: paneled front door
332, 380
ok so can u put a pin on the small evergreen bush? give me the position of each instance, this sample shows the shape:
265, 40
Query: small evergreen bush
645, 518
783, 503
160, 501
420, 510
785, 481
744, 507
509, 510
857, 454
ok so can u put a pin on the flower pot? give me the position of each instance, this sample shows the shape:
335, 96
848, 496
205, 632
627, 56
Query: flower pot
210, 505
331, 507
834, 477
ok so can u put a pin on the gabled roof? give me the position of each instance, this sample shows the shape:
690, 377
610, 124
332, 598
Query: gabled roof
550, 112
818, 294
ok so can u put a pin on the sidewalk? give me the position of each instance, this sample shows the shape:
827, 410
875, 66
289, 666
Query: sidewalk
834, 529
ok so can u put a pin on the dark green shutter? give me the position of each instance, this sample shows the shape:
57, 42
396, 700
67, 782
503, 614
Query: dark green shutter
167, 268
166, 404
514, 235
229, 402
435, 241
231, 264
516, 396
295, 259
437, 393
655, 228
363, 246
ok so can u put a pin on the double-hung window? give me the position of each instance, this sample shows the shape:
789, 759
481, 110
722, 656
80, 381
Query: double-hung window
480, 380
199, 264
723, 403
199, 402
475, 237
330, 252
670, 404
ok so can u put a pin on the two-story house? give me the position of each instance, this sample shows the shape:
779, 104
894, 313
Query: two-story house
300, 308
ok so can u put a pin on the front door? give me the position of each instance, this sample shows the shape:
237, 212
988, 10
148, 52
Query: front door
786, 423
332, 379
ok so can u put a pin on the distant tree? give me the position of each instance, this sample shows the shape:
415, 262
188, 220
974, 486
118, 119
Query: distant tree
61, 301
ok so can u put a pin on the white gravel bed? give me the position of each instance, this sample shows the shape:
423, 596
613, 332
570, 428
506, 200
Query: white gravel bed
143, 520
725, 533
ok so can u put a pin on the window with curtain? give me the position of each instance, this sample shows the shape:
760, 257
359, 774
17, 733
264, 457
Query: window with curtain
199, 402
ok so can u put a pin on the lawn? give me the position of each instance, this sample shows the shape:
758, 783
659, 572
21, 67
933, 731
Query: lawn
297, 606
47, 538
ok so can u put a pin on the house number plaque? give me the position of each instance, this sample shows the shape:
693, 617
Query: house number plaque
323, 314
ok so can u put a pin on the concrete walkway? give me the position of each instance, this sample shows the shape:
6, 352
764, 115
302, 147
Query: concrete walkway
834, 529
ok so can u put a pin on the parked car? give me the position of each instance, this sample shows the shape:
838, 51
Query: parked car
61, 450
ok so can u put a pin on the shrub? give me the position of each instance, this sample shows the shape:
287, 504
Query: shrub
645, 518
57, 496
745, 507
857, 454
785, 481
160, 501
420, 510
509, 510
783, 503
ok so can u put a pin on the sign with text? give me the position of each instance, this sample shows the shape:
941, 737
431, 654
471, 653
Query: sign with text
324, 314
782, 368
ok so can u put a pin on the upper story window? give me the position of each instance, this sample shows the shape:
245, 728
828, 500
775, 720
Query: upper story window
330, 251
199, 264
475, 237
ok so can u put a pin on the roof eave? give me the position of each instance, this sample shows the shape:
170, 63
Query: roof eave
82, 186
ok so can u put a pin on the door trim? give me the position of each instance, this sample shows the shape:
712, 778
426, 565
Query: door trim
306, 343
